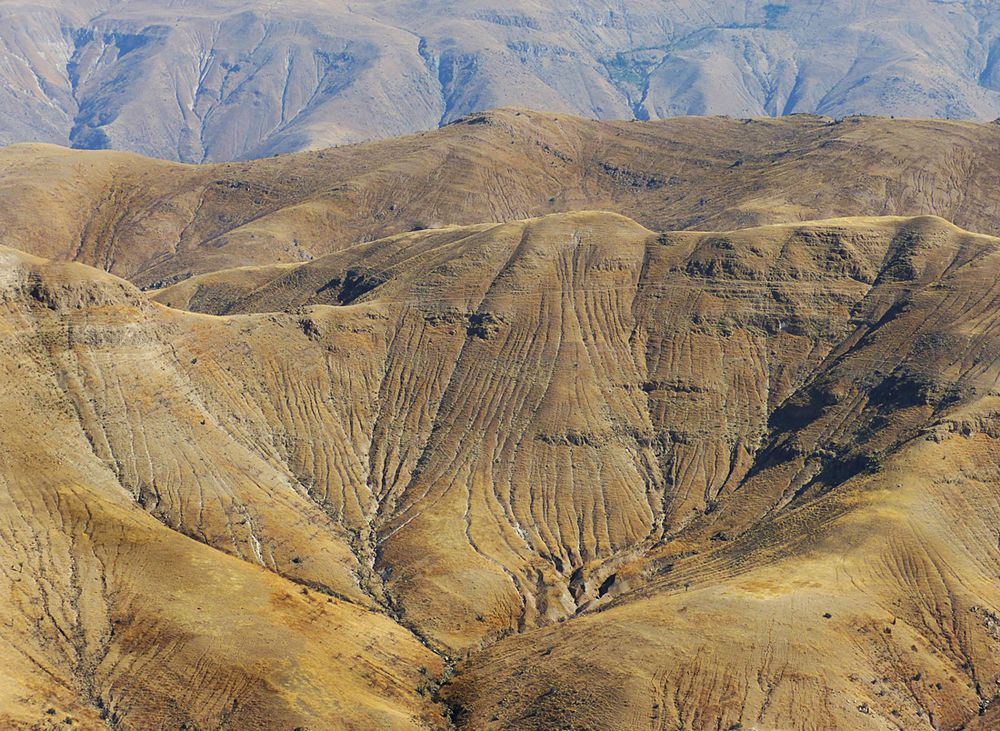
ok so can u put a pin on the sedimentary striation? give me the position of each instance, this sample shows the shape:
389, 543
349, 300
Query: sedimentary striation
155, 223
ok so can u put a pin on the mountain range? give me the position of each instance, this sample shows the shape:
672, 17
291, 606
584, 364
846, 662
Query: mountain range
156, 223
528, 422
230, 79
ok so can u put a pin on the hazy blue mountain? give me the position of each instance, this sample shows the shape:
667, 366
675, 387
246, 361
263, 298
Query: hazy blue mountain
225, 79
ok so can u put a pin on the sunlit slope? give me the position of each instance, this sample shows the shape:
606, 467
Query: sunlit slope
155, 223
127, 508
849, 580
619, 475
873, 608
567, 392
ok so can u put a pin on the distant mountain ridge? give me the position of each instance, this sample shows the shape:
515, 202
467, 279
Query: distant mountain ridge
228, 79
156, 223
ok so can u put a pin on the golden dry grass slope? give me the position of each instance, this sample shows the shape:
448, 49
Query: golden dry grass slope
558, 472
156, 222
159, 569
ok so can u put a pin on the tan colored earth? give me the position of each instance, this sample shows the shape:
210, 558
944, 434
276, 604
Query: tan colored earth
155, 222
514, 471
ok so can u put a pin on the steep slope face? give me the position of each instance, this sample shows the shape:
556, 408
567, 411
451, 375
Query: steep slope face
232, 80
691, 358
115, 620
157, 222
221, 80
873, 608
863, 591
562, 447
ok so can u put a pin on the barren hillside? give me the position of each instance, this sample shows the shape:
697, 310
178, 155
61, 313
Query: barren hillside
567, 470
156, 222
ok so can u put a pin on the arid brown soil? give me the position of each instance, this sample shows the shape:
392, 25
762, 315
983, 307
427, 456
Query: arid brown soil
571, 470
155, 223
